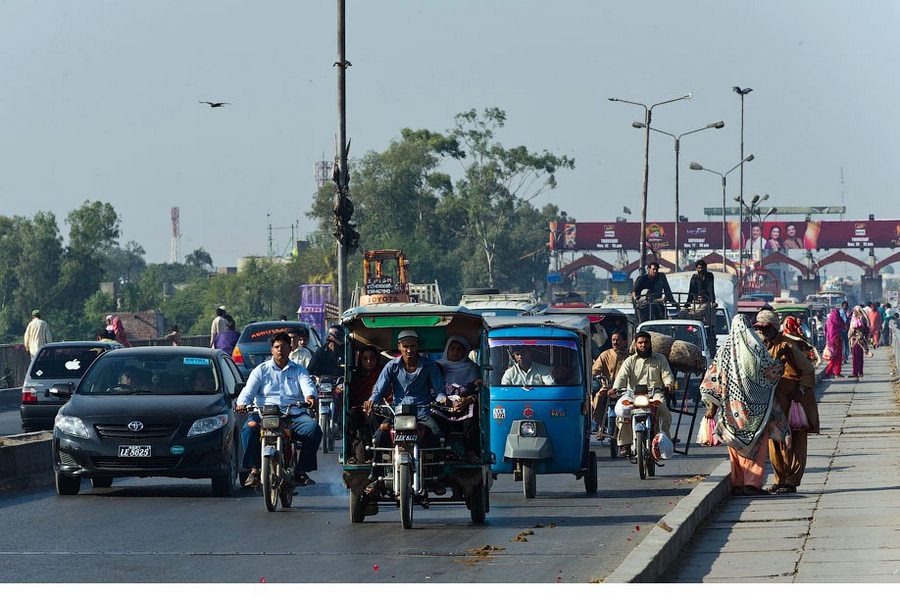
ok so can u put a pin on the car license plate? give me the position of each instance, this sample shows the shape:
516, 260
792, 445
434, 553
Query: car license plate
134, 451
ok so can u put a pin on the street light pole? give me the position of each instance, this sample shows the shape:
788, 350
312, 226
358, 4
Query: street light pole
742, 92
696, 167
648, 115
677, 138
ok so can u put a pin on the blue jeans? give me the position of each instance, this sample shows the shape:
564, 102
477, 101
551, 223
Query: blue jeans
305, 429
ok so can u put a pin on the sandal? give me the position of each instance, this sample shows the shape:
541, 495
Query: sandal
786, 489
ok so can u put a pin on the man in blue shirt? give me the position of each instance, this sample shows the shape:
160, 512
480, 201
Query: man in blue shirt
845, 314
412, 379
280, 382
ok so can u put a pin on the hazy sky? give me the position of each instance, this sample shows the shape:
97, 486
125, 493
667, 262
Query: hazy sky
100, 101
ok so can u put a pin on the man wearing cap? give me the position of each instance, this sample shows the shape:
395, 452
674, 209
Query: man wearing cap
644, 367
37, 333
329, 359
796, 384
219, 325
413, 379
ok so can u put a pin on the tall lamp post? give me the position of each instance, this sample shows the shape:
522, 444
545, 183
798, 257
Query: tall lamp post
752, 209
724, 176
648, 115
742, 92
677, 138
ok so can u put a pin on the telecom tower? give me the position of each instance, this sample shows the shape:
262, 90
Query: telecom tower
175, 252
323, 172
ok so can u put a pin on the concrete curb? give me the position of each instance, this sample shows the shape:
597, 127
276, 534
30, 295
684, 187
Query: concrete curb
26, 465
653, 557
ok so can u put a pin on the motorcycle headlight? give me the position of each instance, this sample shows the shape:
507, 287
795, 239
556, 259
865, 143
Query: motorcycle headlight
527, 429
325, 387
641, 401
72, 426
271, 422
404, 423
203, 426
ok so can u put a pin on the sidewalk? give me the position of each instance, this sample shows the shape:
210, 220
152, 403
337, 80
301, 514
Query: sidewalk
843, 525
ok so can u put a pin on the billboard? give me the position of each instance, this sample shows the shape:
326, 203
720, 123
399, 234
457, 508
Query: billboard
780, 236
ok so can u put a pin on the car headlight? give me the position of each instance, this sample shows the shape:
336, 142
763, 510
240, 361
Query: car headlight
527, 429
72, 426
203, 426
405, 423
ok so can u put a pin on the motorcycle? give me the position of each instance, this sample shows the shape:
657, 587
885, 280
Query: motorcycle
328, 388
607, 430
639, 407
279, 455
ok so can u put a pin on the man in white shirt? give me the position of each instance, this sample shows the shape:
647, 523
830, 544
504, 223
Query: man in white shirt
219, 325
525, 373
37, 333
299, 353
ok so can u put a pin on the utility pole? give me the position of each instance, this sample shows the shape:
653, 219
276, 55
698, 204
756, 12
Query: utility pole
347, 237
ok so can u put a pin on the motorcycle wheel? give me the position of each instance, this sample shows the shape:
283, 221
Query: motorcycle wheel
269, 475
639, 448
590, 479
406, 500
651, 462
330, 434
529, 479
326, 432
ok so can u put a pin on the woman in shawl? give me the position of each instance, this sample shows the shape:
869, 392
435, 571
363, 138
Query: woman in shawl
461, 379
858, 341
358, 422
742, 383
791, 329
834, 343
115, 325
875, 322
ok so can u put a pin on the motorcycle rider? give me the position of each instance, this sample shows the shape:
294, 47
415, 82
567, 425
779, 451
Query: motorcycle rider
413, 379
329, 361
278, 381
607, 366
645, 367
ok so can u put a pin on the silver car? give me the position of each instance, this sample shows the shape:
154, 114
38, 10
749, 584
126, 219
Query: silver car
60, 362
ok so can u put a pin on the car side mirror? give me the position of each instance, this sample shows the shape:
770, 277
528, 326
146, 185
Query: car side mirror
62, 390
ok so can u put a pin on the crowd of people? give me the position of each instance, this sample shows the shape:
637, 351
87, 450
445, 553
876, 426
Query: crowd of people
852, 333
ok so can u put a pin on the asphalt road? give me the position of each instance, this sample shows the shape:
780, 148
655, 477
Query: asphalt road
171, 530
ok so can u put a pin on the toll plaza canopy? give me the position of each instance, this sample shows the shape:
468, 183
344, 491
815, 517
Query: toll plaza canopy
769, 235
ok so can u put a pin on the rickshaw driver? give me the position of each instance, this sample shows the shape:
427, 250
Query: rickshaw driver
646, 367
525, 373
414, 379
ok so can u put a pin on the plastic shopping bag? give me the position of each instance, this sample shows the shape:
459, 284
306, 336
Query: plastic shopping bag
703, 432
713, 438
797, 417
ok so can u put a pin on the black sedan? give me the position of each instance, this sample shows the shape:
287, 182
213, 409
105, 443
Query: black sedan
150, 411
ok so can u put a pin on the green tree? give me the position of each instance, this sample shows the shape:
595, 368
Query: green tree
199, 258
93, 231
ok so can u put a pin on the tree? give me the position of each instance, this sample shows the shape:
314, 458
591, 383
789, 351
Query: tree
199, 258
93, 231
498, 183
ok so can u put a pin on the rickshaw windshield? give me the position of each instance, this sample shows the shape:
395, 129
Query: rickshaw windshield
535, 362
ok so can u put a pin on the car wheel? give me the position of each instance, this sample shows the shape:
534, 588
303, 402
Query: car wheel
101, 482
223, 484
67, 485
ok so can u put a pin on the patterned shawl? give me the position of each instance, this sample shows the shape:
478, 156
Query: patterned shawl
742, 383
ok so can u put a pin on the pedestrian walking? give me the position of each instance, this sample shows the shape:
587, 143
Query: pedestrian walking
788, 456
834, 344
859, 343
219, 325
739, 392
874, 324
174, 336
845, 313
37, 333
114, 324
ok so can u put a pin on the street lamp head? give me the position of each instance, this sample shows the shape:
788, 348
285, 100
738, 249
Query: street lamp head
764, 198
717, 125
688, 96
696, 167
749, 158
737, 89
638, 125
755, 200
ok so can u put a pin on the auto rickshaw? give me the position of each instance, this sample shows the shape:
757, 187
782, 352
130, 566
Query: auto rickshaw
540, 386
414, 474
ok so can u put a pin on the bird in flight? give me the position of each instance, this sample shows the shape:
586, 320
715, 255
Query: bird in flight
214, 104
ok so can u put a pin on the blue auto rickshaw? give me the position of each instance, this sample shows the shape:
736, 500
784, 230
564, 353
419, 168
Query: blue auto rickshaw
539, 386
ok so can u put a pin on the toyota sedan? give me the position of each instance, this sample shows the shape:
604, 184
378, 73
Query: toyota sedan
150, 411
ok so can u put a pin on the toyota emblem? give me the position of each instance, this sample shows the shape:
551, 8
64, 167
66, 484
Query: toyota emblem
135, 426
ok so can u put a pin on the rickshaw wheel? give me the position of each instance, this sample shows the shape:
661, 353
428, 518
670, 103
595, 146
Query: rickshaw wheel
357, 508
529, 479
478, 504
590, 479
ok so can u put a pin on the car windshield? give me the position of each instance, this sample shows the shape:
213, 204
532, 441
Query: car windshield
535, 362
152, 375
64, 362
683, 332
721, 324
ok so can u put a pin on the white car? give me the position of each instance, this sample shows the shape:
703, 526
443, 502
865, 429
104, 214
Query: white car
691, 331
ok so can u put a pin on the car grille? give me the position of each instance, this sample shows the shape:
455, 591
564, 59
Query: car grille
136, 464
121, 431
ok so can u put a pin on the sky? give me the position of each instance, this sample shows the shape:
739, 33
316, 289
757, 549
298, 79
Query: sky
101, 100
